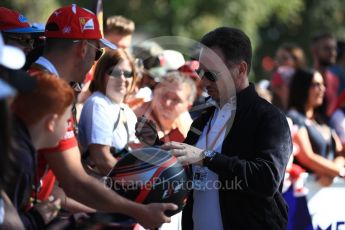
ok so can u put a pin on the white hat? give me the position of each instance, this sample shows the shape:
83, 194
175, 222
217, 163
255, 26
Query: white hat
10, 56
172, 59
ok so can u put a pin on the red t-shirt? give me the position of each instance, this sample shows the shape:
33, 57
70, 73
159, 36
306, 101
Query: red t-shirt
45, 174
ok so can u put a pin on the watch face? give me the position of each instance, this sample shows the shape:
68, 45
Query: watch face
209, 153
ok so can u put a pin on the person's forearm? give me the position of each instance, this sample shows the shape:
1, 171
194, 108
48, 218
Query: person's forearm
105, 165
94, 194
319, 164
70, 204
102, 158
74, 206
257, 176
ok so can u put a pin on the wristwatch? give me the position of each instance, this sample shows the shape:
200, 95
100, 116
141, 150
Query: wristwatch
207, 156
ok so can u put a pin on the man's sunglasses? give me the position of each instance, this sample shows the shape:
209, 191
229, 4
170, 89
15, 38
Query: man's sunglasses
99, 51
211, 76
22, 41
119, 73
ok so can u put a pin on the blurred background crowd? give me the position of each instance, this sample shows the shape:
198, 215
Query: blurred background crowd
299, 66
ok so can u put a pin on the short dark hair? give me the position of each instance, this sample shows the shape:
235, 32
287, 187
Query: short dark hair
321, 36
299, 89
118, 24
296, 53
234, 43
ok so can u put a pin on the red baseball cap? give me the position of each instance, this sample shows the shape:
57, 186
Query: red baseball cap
12, 21
74, 22
190, 68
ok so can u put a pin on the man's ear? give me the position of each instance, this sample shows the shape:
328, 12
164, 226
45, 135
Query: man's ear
50, 122
243, 69
81, 48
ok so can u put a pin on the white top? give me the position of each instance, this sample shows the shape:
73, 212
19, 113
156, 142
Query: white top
206, 208
145, 93
97, 120
47, 64
337, 122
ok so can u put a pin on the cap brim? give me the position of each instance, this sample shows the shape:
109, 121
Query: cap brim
6, 90
108, 44
12, 57
25, 30
21, 81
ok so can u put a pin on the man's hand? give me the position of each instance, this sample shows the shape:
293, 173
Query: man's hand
49, 209
146, 131
185, 154
152, 215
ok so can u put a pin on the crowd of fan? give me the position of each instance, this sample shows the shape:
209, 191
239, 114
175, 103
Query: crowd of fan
59, 140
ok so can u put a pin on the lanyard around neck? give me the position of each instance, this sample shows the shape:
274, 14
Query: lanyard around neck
213, 142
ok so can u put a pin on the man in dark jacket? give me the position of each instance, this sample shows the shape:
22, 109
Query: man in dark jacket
238, 149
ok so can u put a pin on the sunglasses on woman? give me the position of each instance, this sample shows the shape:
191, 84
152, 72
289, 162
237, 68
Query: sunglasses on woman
119, 73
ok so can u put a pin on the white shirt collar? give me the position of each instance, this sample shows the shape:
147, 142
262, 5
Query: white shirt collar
48, 65
231, 104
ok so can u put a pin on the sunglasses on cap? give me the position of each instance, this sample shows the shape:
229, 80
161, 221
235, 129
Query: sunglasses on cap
119, 73
99, 51
211, 76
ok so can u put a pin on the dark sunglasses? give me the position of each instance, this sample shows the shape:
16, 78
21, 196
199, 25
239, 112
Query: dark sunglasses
21, 41
99, 51
207, 74
119, 73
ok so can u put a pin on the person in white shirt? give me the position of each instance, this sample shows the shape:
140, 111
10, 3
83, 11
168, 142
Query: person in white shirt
107, 125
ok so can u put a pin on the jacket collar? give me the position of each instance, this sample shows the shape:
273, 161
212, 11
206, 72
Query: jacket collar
245, 97
244, 100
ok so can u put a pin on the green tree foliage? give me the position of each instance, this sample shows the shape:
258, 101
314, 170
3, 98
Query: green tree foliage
34, 10
267, 22
315, 17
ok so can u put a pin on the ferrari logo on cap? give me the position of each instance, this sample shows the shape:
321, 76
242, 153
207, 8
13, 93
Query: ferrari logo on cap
86, 24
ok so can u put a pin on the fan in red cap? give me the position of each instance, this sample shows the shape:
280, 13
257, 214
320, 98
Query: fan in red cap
16, 29
74, 22
12, 21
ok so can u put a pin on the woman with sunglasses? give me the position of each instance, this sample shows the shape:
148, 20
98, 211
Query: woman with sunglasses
106, 124
320, 150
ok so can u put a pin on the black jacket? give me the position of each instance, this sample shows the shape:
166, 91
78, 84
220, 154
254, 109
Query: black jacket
20, 189
255, 152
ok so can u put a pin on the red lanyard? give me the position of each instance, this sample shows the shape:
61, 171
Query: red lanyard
213, 143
